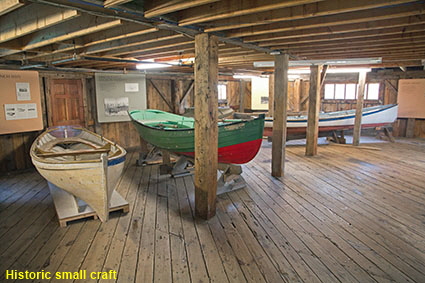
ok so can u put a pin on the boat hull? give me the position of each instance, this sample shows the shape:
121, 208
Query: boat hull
238, 142
372, 117
92, 180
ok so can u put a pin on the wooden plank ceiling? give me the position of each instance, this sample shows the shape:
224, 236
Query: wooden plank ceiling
115, 34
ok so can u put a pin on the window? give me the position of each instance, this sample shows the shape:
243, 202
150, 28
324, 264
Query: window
222, 92
349, 91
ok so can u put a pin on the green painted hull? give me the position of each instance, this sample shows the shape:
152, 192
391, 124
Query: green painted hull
176, 133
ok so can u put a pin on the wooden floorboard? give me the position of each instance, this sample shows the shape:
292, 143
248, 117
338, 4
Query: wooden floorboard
345, 215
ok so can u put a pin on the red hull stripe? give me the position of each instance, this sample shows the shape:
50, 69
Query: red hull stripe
236, 154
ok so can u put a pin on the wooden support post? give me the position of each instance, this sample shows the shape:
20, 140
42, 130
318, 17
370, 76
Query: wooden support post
280, 114
313, 111
241, 96
174, 91
359, 108
410, 128
166, 158
271, 95
297, 93
206, 127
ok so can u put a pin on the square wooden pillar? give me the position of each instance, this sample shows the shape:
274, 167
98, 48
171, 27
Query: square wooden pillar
359, 108
206, 127
280, 114
313, 111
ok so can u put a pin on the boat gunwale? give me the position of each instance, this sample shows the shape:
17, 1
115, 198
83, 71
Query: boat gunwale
244, 121
341, 116
39, 159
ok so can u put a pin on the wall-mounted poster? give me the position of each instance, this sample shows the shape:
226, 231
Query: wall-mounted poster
116, 106
23, 91
20, 109
260, 93
118, 93
411, 98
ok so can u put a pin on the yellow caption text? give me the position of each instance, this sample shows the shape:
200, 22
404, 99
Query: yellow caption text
82, 274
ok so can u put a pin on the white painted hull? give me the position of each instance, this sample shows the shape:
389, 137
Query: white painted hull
371, 117
92, 179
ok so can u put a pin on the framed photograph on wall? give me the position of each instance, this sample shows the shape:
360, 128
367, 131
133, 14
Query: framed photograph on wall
118, 93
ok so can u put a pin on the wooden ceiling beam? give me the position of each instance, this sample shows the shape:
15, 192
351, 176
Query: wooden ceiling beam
153, 46
126, 30
81, 26
332, 20
235, 53
159, 8
124, 43
391, 38
32, 18
7, 6
111, 3
233, 8
360, 44
352, 35
365, 48
181, 49
362, 53
298, 12
165, 54
334, 30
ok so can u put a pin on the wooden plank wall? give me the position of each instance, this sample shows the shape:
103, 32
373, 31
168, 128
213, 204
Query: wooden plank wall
233, 94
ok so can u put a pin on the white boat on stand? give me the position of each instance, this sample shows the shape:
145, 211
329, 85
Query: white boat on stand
82, 168
372, 117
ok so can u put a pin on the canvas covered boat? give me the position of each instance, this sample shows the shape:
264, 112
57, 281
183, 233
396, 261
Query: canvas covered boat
238, 140
81, 163
375, 116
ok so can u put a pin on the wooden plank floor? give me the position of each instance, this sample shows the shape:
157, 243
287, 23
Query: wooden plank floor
346, 215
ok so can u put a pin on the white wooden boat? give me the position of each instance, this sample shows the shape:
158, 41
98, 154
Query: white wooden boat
80, 162
375, 116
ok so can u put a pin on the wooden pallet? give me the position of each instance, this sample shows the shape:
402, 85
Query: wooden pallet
68, 208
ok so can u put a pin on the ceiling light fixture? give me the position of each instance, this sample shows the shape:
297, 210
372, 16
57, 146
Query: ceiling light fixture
356, 61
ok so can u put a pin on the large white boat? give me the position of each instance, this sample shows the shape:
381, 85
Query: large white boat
341, 120
81, 163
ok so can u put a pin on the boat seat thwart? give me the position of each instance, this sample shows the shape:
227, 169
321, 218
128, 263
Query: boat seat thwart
74, 152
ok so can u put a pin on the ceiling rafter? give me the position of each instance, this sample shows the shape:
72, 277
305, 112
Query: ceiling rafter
315, 29
338, 42
299, 12
401, 31
83, 25
159, 8
334, 30
32, 18
233, 8
332, 20
7, 6
125, 43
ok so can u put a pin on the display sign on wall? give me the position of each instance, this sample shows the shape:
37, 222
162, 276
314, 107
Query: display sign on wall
411, 98
118, 93
260, 93
20, 109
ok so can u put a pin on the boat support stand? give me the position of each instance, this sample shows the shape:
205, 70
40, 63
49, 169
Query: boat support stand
229, 180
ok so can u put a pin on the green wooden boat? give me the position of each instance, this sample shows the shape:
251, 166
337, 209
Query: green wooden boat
238, 140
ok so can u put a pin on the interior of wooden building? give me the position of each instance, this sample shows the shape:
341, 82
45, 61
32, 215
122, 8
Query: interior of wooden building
342, 205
